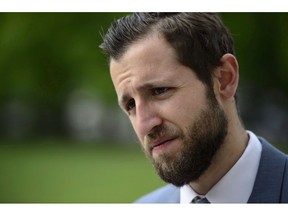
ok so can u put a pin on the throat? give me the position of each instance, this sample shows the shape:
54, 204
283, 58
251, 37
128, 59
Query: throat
226, 158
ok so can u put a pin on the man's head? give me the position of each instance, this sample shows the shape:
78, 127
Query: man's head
199, 39
175, 80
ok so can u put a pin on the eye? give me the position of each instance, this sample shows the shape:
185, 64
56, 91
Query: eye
158, 91
130, 105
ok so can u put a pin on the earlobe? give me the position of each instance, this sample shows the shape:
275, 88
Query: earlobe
228, 76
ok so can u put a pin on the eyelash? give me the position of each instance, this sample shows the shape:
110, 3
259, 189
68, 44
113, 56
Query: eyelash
165, 89
131, 102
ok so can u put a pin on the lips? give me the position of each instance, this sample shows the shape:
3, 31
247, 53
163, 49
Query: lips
161, 141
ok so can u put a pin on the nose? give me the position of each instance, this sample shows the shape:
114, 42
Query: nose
147, 117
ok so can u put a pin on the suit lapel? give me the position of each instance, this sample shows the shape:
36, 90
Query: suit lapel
268, 183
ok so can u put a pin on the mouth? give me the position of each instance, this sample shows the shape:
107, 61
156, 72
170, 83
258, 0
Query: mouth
158, 144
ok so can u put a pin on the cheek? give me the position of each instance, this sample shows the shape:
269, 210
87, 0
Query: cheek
182, 114
179, 111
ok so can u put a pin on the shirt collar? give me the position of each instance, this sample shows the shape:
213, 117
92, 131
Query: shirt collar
237, 184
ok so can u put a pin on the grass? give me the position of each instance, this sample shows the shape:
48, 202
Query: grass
61, 172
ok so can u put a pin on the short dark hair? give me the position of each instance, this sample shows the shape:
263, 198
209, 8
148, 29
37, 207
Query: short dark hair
199, 39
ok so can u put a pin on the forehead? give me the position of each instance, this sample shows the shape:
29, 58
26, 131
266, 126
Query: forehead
150, 61
145, 55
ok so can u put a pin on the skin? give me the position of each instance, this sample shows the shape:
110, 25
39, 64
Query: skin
154, 89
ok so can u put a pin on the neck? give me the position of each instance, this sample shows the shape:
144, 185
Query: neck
233, 147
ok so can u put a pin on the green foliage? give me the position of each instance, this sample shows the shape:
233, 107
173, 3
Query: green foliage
261, 46
45, 56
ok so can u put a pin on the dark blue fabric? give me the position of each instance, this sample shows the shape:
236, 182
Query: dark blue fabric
166, 194
271, 181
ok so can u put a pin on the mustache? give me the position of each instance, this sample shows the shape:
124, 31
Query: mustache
161, 131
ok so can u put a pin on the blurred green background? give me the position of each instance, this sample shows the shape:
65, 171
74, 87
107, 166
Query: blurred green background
62, 136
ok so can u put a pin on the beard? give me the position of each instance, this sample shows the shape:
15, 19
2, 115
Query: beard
200, 142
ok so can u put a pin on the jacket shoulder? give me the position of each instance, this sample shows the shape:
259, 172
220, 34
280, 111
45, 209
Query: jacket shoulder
271, 184
165, 194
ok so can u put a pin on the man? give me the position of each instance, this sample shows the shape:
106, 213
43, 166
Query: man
176, 75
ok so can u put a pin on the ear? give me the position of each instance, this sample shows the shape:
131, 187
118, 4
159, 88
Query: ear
227, 76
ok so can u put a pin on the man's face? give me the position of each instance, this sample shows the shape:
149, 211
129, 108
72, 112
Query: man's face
180, 128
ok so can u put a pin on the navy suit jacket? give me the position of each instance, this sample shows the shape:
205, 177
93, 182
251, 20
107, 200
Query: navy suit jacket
271, 184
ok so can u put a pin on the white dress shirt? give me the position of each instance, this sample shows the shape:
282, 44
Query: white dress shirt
237, 184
